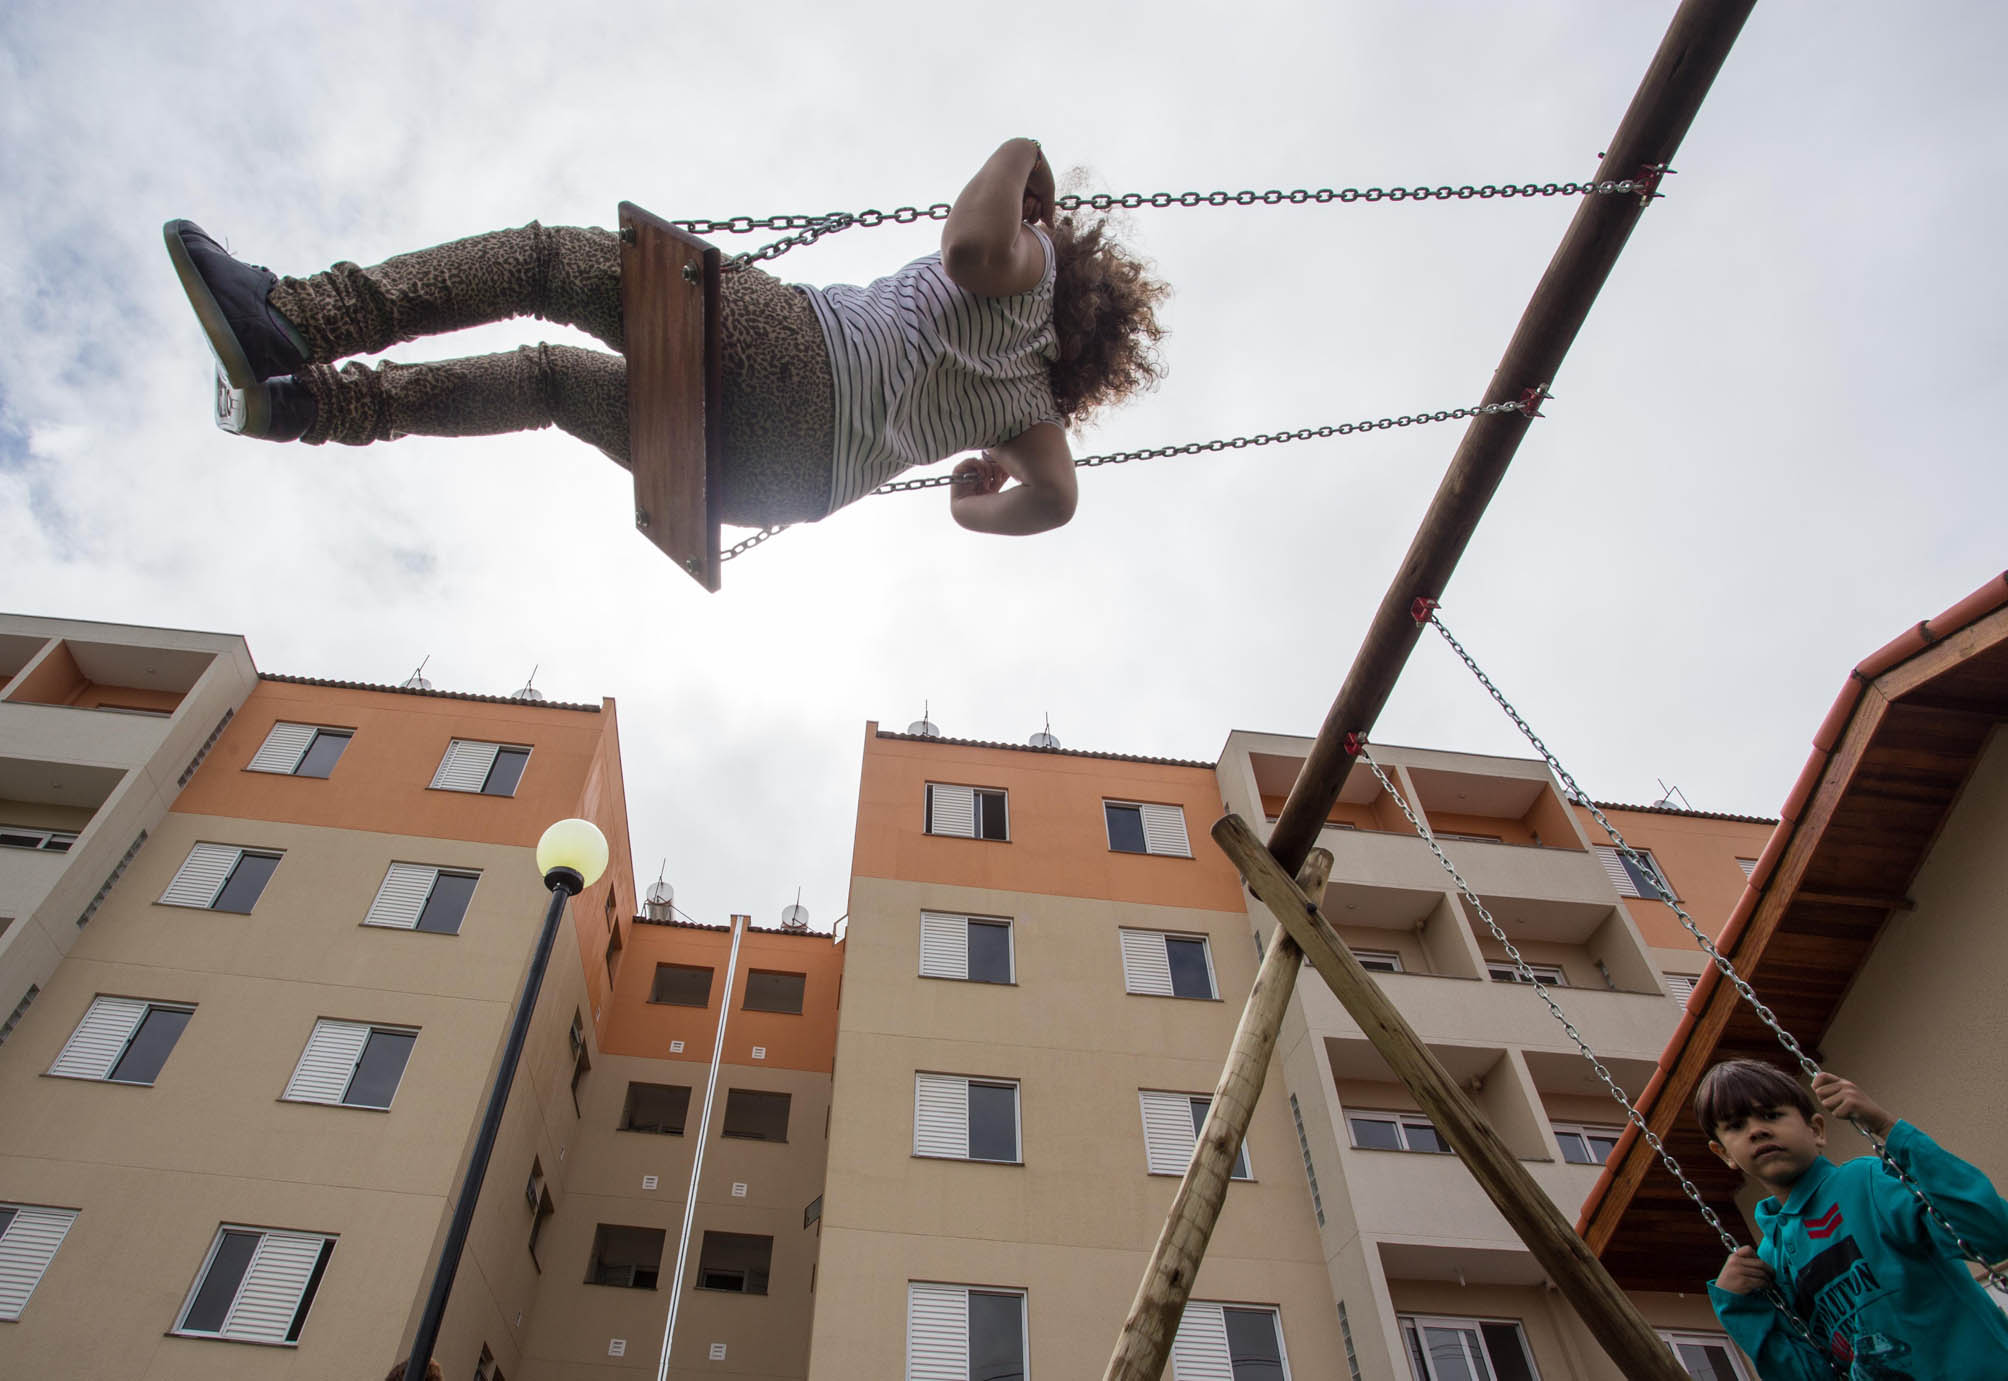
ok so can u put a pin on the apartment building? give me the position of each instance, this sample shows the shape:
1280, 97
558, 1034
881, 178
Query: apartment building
268, 933
1047, 958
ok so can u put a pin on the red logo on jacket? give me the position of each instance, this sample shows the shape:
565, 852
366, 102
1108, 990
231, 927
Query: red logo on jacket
1826, 1225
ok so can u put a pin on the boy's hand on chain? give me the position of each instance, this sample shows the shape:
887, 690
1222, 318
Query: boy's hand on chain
1743, 1272
1842, 1099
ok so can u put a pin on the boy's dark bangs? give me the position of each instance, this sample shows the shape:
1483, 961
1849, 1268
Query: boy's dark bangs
1738, 1088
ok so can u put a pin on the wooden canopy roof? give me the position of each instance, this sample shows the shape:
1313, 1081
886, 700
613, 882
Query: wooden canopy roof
1887, 764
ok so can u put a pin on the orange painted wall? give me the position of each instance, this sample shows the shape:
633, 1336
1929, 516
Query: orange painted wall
54, 681
1698, 857
610, 902
382, 781
1059, 842
92, 696
808, 1041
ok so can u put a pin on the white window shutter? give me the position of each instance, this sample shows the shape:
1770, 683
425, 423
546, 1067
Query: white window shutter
1164, 831
952, 810
937, 1333
202, 876
26, 1251
941, 1116
465, 766
1681, 985
273, 1283
95, 1046
401, 899
944, 945
1614, 866
1199, 1351
1168, 1139
1146, 966
328, 1062
1748, 865
283, 748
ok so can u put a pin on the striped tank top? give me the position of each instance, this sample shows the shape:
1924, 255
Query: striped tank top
924, 370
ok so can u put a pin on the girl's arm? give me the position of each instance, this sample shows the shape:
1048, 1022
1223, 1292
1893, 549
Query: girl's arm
986, 246
1043, 498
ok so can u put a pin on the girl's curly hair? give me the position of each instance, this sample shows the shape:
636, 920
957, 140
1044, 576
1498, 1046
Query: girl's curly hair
1104, 314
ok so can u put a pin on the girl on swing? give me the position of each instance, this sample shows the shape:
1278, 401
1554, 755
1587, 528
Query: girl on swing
1019, 326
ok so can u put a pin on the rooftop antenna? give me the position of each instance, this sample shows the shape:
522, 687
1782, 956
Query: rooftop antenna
795, 917
530, 691
1666, 795
417, 681
1044, 738
923, 727
661, 899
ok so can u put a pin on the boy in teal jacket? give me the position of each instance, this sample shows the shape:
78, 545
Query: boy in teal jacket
1875, 1280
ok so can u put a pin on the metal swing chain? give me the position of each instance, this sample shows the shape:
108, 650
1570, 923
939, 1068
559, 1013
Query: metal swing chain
1648, 871
1541, 990
1188, 448
810, 228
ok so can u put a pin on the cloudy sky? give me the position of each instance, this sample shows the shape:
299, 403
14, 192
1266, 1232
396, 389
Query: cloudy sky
1776, 443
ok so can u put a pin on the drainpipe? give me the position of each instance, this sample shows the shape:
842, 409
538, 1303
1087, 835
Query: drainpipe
739, 924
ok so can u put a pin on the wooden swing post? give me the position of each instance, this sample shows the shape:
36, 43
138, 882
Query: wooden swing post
1696, 43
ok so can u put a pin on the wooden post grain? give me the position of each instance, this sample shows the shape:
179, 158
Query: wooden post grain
1167, 1281
1609, 1314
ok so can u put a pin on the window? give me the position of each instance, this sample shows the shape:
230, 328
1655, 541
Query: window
1584, 1144
414, 896
768, 991
1550, 974
300, 750
1707, 1356
351, 1064
734, 1261
581, 1059
221, 877
968, 812
1171, 1126
1680, 986
1221, 1342
122, 1040
660, 1108
681, 985
1748, 865
974, 948
256, 1286
1629, 878
1310, 1170
490, 769
486, 1369
613, 951
1461, 1349
1161, 965
26, 837
1378, 960
1146, 829
756, 1115
965, 1119
629, 1257
1395, 1131
541, 1209
954, 1332
29, 1238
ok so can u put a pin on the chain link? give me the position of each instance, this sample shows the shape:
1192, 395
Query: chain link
807, 229
1188, 448
1645, 869
1528, 976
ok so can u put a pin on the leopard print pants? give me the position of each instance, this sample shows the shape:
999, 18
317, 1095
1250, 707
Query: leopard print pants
779, 414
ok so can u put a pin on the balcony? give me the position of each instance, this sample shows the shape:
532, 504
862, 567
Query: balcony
111, 677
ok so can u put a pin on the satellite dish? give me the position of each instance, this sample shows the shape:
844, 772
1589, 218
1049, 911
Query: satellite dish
660, 900
1044, 738
923, 727
417, 681
529, 691
795, 917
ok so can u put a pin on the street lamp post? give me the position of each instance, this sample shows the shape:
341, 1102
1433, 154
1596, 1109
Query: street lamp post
571, 855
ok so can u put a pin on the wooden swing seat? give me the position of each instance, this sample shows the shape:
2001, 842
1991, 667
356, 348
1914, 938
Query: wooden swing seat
669, 314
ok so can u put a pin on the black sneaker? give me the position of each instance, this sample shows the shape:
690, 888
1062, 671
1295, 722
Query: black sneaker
251, 340
278, 409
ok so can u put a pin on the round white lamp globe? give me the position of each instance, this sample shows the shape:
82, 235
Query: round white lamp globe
574, 844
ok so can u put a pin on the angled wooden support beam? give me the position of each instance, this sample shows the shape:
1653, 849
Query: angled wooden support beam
1167, 1281
1610, 1315
1689, 56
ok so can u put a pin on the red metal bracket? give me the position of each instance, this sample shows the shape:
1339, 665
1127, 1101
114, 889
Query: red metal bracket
1650, 174
1354, 743
1423, 607
1531, 400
